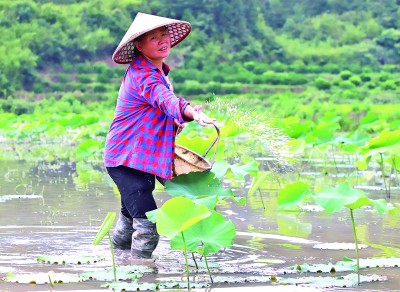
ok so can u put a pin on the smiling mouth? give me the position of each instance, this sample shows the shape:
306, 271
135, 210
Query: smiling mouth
163, 48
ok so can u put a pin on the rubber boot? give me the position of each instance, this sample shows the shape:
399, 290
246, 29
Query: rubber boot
144, 239
122, 234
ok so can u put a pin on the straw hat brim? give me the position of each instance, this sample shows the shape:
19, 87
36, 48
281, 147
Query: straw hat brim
143, 23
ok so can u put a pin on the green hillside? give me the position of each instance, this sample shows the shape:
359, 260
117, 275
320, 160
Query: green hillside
62, 48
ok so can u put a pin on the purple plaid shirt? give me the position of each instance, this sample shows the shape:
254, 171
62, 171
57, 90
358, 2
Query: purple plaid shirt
142, 133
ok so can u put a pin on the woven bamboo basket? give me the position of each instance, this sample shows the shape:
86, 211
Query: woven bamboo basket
186, 160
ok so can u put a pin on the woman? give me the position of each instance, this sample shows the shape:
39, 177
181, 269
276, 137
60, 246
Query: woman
140, 142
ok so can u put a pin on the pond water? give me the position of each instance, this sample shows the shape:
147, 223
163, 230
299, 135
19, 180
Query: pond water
46, 209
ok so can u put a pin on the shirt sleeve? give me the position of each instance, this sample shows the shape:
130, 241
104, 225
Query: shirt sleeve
155, 90
184, 103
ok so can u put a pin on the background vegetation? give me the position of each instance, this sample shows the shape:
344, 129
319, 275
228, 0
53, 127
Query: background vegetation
316, 56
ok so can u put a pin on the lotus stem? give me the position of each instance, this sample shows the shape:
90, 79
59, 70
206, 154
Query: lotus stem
112, 257
208, 269
186, 260
334, 160
356, 243
355, 168
262, 201
195, 262
270, 169
51, 283
390, 179
384, 177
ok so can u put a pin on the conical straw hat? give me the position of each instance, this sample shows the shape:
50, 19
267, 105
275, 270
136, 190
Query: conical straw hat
143, 23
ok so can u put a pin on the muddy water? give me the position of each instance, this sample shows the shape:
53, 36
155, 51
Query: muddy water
48, 210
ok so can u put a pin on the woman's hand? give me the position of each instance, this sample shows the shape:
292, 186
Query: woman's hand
179, 127
201, 118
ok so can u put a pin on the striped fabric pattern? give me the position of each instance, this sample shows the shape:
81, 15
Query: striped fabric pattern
142, 133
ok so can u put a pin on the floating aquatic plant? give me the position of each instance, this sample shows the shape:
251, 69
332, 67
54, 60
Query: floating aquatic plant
43, 278
347, 264
136, 286
129, 272
350, 280
338, 246
17, 197
64, 260
133, 286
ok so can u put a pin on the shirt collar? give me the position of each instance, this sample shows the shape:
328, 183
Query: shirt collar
142, 62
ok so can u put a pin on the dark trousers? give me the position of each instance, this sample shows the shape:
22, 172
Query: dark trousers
136, 189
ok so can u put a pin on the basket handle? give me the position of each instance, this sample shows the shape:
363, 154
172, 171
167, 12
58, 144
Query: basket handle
215, 142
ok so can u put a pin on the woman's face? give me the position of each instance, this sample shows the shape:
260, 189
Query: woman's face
155, 44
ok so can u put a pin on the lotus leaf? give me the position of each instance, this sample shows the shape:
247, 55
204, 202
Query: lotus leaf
207, 236
195, 185
87, 147
292, 195
105, 227
257, 182
43, 278
210, 202
122, 273
63, 260
334, 199
330, 282
240, 171
386, 142
133, 286
338, 246
178, 214
347, 265
220, 167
